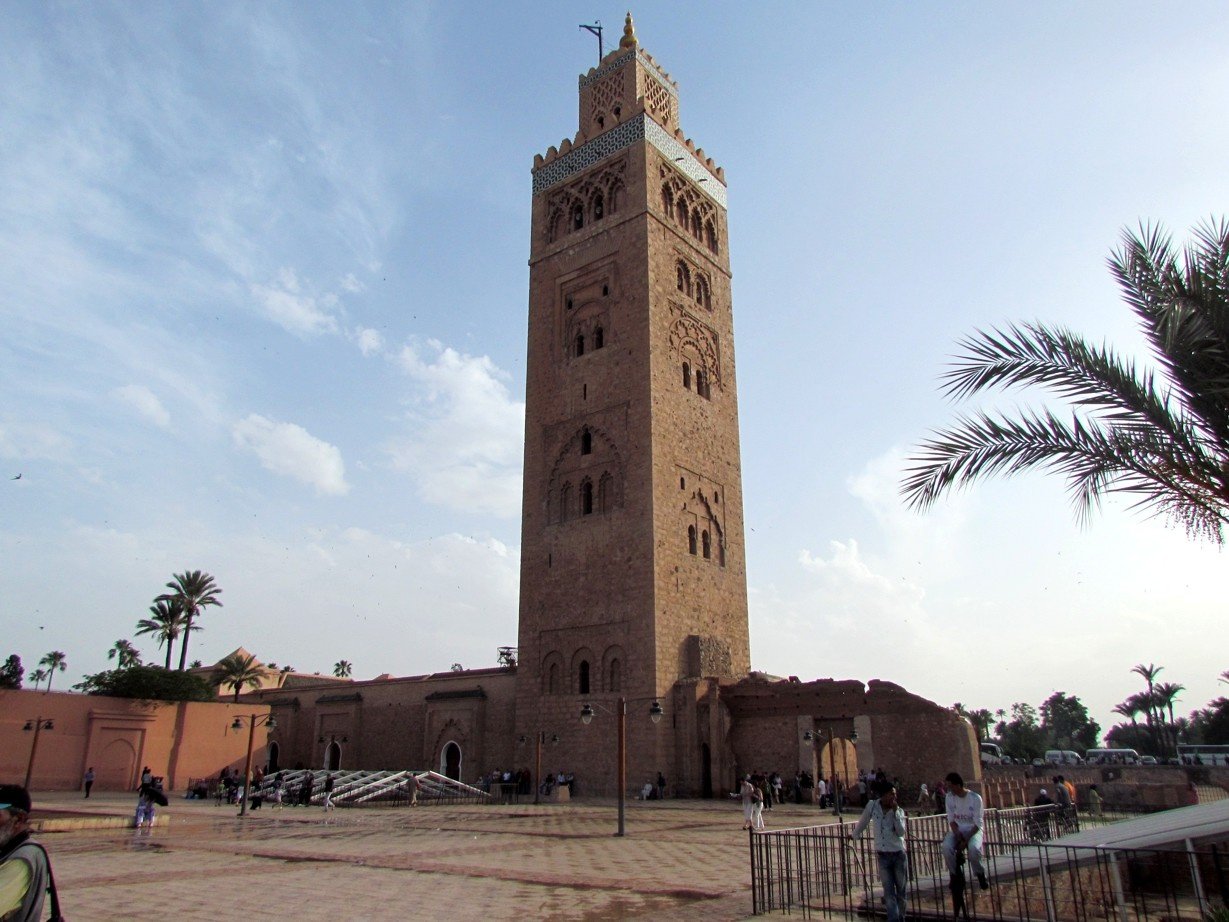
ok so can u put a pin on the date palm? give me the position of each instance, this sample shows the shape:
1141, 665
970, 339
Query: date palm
193, 590
342, 669
53, 661
168, 621
125, 654
1159, 436
1166, 694
237, 672
36, 676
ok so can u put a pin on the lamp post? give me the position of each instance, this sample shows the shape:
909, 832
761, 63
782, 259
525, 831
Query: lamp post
586, 716
853, 738
253, 721
37, 724
539, 741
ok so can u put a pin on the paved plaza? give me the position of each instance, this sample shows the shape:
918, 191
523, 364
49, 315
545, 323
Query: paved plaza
680, 860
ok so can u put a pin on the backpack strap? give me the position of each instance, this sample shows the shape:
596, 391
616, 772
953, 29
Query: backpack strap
51, 890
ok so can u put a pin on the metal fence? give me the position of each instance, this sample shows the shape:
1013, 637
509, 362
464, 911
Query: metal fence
817, 870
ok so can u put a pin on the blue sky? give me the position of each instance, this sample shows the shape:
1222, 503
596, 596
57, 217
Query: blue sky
263, 285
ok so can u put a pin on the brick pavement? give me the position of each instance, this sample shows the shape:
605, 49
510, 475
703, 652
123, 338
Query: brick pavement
681, 860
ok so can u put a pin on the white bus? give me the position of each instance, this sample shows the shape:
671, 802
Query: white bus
1203, 754
1111, 757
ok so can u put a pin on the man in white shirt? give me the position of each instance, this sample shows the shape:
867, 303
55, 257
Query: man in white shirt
889, 820
964, 817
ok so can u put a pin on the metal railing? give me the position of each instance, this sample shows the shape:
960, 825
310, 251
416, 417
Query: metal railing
819, 870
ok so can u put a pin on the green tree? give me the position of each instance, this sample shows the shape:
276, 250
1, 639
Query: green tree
148, 683
166, 623
237, 672
342, 669
53, 661
1021, 736
1148, 701
1066, 723
36, 676
194, 591
125, 653
11, 672
1166, 446
981, 719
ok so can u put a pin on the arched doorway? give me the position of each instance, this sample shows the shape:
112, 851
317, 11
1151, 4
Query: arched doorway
332, 756
274, 752
706, 771
450, 761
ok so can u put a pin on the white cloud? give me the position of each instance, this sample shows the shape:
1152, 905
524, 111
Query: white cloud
351, 284
145, 402
465, 451
299, 313
292, 451
34, 441
369, 340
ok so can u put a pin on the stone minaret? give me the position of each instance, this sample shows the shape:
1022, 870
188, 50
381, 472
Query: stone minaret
633, 575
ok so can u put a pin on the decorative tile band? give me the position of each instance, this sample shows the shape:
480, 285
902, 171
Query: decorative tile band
649, 66
640, 128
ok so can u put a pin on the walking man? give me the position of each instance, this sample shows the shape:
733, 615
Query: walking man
964, 817
889, 819
88, 780
328, 791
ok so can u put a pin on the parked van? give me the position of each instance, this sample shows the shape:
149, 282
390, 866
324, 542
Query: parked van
1063, 757
991, 753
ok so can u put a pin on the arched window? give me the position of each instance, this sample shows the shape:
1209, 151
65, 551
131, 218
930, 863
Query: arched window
681, 216
580, 344
583, 677
586, 498
601, 122
683, 278
599, 207
667, 201
586, 442
552, 679
614, 681
710, 236
598, 338
604, 486
695, 225
691, 539
702, 294
702, 382
687, 375
578, 217
708, 545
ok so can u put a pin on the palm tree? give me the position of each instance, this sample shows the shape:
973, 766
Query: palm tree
126, 654
342, 669
166, 625
1166, 694
1148, 674
193, 590
238, 671
37, 676
53, 661
981, 720
1166, 446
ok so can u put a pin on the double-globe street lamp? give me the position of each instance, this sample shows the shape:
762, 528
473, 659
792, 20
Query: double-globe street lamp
853, 738
37, 724
253, 721
587, 712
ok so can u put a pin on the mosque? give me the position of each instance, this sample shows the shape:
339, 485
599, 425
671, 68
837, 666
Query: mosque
633, 652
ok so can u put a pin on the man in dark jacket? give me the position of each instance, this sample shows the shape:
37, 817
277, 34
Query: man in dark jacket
23, 864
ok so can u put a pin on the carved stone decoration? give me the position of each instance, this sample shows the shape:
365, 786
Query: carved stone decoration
692, 339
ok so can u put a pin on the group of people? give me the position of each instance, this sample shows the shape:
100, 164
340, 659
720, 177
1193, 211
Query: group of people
654, 790
962, 845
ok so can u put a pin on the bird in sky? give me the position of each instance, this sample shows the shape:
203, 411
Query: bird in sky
18, 477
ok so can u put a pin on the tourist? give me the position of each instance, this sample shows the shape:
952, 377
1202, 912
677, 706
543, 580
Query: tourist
758, 802
328, 791
924, 803
889, 818
414, 786
1039, 816
146, 800
661, 786
821, 792
88, 780
305, 789
25, 872
964, 816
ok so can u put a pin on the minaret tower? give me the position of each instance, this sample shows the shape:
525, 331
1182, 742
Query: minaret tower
633, 575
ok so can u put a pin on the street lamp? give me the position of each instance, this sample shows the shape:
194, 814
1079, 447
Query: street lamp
853, 738
253, 721
586, 717
37, 724
540, 740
